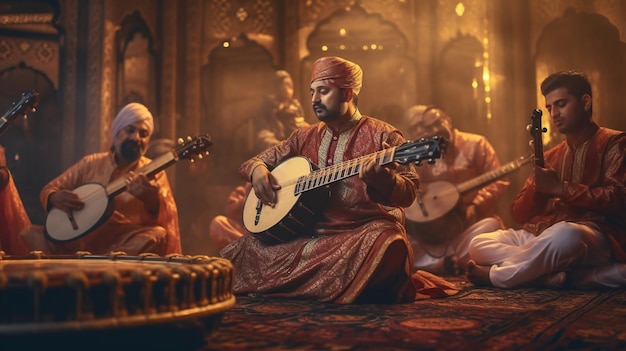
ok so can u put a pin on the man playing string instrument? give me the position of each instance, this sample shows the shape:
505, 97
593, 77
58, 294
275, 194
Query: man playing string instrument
358, 250
145, 216
571, 208
441, 245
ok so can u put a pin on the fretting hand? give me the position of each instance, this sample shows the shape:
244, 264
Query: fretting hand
380, 178
139, 186
547, 181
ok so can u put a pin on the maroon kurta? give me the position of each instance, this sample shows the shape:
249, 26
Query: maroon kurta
594, 174
353, 234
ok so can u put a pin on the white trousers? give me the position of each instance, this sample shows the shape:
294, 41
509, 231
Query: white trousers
431, 257
519, 258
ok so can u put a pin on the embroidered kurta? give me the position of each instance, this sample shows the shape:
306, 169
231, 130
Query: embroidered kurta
13, 217
347, 244
594, 174
129, 216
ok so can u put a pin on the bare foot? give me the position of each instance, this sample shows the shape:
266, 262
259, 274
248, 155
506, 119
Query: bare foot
554, 280
478, 275
451, 265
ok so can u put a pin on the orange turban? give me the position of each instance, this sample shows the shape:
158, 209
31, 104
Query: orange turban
339, 72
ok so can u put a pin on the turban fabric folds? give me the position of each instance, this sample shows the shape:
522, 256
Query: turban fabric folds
415, 115
129, 114
339, 72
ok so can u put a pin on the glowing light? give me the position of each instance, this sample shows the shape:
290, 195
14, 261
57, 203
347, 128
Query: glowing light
474, 83
459, 9
226, 44
342, 32
342, 47
324, 48
365, 47
373, 46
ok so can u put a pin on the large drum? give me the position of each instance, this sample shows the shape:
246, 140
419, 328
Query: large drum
68, 296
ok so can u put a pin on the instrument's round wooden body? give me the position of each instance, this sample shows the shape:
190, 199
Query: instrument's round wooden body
84, 292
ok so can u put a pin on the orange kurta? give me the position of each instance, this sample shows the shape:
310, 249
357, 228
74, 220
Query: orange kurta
13, 217
348, 243
594, 175
129, 212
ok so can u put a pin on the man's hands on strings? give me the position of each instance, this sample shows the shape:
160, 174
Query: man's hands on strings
142, 188
381, 178
265, 185
66, 200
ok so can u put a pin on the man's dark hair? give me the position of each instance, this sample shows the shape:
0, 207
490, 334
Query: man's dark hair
575, 82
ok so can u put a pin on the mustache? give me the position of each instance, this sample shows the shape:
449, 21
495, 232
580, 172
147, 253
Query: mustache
317, 105
130, 150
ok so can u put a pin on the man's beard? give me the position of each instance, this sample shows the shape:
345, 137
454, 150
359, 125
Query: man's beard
130, 150
325, 114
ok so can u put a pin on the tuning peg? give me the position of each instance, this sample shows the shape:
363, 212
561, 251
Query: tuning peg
431, 161
418, 163
531, 143
200, 156
180, 141
529, 127
189, 138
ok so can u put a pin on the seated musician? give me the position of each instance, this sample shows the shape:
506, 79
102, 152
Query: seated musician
145, 216
227, 227
571, 207
358, 250
441, 246
13, 216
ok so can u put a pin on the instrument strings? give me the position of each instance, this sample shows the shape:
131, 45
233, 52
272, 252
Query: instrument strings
336, 168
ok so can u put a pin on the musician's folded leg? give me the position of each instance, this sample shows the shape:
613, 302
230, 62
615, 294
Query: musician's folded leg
143, 240
34, 238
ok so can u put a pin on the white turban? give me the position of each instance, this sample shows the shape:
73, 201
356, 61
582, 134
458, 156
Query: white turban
129, 114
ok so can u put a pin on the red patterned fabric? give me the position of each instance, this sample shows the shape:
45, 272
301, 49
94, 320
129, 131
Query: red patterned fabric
349, 243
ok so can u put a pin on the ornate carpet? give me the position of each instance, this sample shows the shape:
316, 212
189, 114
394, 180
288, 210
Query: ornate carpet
474, 319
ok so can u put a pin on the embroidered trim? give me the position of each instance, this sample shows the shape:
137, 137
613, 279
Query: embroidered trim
322, 153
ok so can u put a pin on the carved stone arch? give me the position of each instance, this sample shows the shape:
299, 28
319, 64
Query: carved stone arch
586, 42
30, 47
459, 86
32, 144
136, 65
378, 46
235, 81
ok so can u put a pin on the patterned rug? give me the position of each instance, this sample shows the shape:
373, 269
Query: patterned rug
474, 319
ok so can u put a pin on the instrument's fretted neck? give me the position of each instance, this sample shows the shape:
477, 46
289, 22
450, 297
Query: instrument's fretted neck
343, 170
157, 165
488, 177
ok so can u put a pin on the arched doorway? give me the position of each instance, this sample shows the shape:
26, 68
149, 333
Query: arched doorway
586, 42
